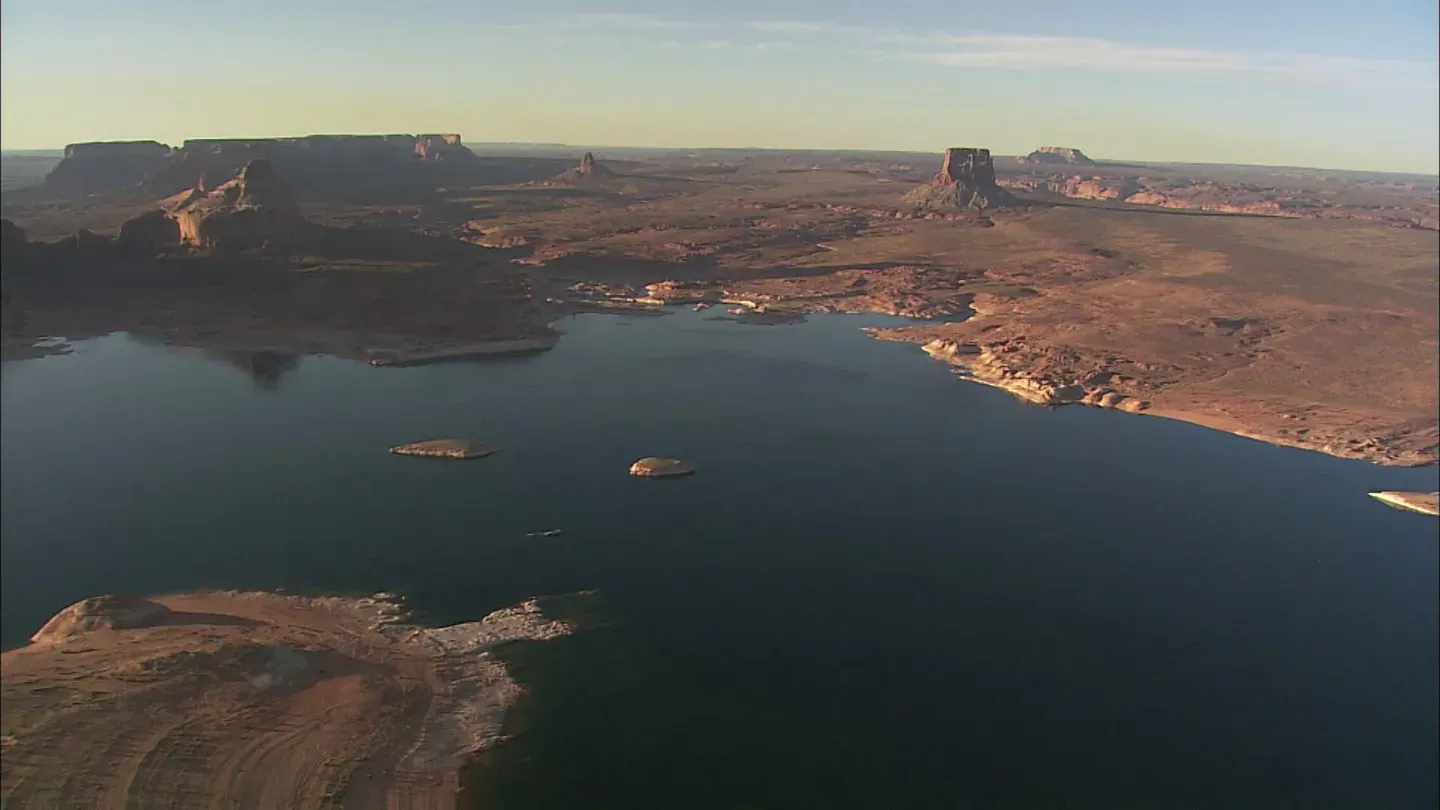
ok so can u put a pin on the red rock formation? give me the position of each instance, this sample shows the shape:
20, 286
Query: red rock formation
1095, 188
119, 165
966, 181
1058, 154
588, 170
154, 168
254, 210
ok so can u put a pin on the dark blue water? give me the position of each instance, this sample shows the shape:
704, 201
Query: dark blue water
884, 588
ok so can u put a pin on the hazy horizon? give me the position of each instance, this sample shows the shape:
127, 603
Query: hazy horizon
1231, 83
598, 147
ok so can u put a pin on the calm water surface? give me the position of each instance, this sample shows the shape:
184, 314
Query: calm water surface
885, 587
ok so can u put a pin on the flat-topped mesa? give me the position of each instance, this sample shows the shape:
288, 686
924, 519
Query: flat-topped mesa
435, 146
113, 165
966, 180
155, 169
113, 149
256, 209
1058, 154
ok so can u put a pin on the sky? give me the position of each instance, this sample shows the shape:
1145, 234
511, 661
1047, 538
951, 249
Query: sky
1326, 83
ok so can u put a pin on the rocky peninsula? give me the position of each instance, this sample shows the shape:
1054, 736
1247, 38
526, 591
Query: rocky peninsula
255, 699
1426, 503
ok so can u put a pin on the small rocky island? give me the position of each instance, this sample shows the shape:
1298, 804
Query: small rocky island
655, 467
445, 448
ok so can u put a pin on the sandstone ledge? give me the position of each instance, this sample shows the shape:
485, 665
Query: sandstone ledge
445, 448
979, 364
1426, 503
655, 467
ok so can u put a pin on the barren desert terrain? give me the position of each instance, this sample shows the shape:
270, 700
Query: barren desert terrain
253, 700
1315, 329
1295, 307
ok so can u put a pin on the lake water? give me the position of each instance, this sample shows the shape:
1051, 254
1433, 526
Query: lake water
884, 587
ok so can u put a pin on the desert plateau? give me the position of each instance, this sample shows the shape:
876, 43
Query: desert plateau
1293, 306
719, 406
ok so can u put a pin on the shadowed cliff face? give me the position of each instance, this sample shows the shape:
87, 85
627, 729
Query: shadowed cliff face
965, 181
255, 209
154, 169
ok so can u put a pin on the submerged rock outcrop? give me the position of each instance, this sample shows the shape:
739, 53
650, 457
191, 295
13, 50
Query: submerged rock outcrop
966, 181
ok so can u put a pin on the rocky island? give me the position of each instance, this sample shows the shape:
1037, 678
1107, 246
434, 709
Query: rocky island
445, 448
655, 467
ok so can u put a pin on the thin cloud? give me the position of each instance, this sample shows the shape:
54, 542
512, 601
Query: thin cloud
790, 26
1077, 53
1025, 52
620, 20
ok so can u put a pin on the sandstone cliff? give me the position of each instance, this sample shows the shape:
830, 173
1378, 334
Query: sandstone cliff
151, 168
256, 209
966, 181
117, 165
588, 170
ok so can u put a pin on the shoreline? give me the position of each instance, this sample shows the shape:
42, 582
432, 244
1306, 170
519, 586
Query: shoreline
392, 711
1424, 503
971, 362
980, 365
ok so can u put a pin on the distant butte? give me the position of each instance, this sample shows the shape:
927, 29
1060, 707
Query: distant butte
588, 169
1058, 154
153, 168
966, 181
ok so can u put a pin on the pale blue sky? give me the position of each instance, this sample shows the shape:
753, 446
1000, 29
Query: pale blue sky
1324, 83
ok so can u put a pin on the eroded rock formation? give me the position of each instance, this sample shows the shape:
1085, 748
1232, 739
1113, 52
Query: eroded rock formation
114, 165
256, 209
1058, 154
101, 613
966, 181
588, 170
149, 167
